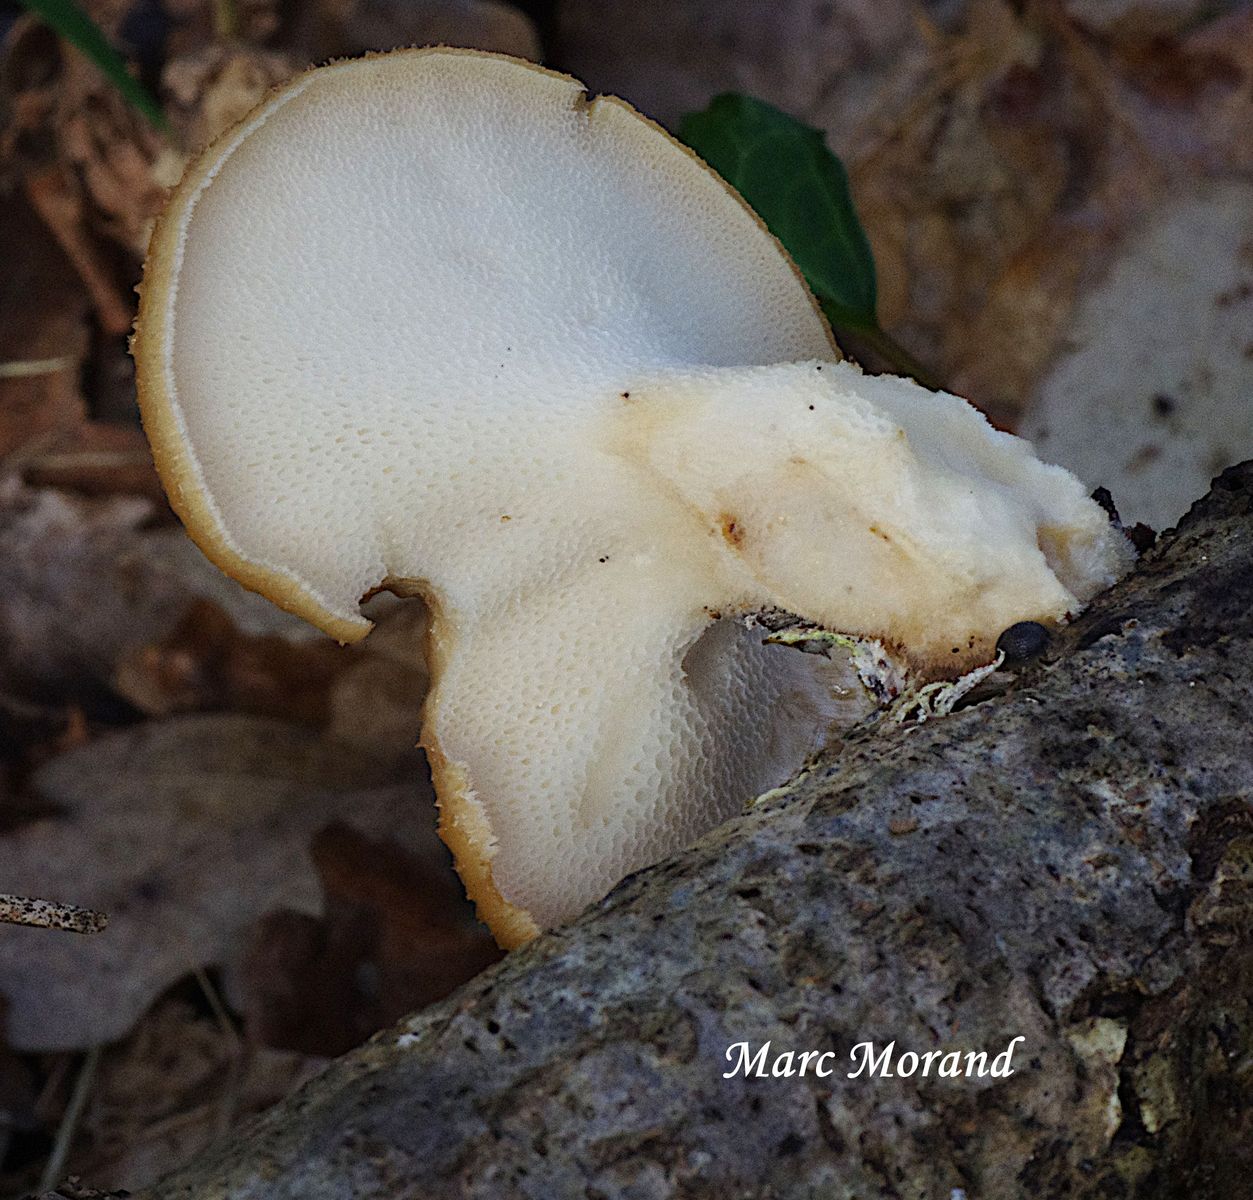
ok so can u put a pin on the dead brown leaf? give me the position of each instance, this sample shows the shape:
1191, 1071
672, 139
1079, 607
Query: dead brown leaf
83, 159
322, 29
835, 64
1191, 95
185, 832
180, 1081
96, 459
976, 194
210, 88
394, 938
55, 193
43, 332
195, 24
206, 662
84, 584
376, 702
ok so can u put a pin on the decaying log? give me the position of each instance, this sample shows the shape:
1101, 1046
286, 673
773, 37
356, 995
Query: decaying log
1067, 858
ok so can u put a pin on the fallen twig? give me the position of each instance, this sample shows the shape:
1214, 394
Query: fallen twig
48, 914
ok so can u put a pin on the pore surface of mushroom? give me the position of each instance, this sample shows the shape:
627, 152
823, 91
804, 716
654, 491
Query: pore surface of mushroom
436, 320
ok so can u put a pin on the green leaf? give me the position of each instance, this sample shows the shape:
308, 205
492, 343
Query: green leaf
77, 28
786, 173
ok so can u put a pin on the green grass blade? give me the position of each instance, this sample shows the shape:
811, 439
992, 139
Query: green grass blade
77, 28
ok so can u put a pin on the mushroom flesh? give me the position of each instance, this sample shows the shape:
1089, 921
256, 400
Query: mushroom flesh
438, 321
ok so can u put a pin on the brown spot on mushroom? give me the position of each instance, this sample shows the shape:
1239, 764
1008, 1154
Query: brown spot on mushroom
1051, 542
880, 534
505, 517
732, 534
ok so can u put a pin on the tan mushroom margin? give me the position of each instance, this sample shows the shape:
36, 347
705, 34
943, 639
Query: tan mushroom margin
437, 321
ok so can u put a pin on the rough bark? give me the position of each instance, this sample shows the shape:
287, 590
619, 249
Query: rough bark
1069, 857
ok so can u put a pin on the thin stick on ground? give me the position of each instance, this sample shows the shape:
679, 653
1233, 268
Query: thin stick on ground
49, 914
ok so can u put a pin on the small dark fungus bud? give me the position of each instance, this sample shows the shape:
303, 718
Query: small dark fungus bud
1024, 640
1106, 501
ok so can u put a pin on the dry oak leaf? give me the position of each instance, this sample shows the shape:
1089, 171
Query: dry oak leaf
185, 832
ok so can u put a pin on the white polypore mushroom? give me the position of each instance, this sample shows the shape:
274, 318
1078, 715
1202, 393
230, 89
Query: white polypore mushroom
437, 321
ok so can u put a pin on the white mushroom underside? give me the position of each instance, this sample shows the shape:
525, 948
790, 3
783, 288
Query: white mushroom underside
598, 737
408, 280
457, 326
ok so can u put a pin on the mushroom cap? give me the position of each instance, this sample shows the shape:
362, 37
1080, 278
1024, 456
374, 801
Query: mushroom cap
435, 320
425, 257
